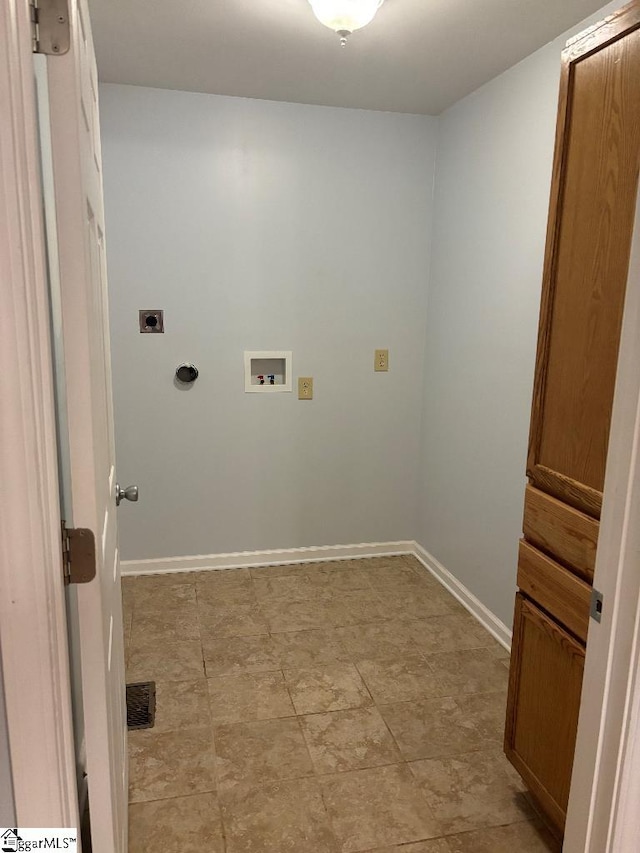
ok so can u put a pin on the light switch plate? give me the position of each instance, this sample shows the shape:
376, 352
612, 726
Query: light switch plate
381, 362
305, 388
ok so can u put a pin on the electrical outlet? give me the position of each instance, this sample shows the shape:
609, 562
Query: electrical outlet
305, 388
381, 363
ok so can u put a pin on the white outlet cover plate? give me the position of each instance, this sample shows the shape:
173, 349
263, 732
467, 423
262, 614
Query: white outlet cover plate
282, 369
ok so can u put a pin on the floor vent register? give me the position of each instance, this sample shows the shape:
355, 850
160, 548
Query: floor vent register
141, 705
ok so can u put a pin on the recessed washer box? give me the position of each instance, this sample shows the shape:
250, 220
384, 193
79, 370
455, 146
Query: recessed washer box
267, 371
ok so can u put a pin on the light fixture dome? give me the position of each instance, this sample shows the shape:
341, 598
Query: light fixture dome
345, 16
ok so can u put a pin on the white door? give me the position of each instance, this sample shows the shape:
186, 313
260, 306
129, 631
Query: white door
72, 187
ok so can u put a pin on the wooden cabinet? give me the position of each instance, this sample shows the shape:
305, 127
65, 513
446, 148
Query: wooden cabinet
545, 684
592, 209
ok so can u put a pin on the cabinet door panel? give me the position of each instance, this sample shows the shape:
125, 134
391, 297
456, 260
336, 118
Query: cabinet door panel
591, 222
555, 589
569, 536
545, 683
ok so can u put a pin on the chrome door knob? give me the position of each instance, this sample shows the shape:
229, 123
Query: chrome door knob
129, 494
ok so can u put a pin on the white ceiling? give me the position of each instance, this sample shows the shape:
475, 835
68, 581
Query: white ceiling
418, 56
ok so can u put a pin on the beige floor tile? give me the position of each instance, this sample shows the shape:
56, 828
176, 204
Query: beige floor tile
377, 807
253, 696
339, 566
401, 579
154, 581
437, 845
468, 671
127, 621
284, 816
487, 713
471, 620
237, 655
379, 641
340, 581
165, 624
150, 586
333, 687
383, 562
413, 562
432, 728
284, 616
163, 612
231, 620
128, 599
408, 586
300, 649
180, 825
226, 595
449, 633
457, 607
170, 764
349, 740
162, 661
166, 593
517, 838
284, 588
259, 752
128, 583
472, 791
223, 577
355, 607
341, 631
497, 648
399, 680
419, 605
181, 705
279, 571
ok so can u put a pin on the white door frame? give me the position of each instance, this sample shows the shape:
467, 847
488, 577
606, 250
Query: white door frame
33, 629
603, 814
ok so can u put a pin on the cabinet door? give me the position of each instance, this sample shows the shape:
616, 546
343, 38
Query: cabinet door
593, 197
545, 682
591, 217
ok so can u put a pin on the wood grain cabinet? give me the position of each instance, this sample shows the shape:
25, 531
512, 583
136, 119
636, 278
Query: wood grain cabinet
592, 208
546, 679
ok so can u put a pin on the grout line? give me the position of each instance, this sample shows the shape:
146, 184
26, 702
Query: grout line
306, 743
173, 797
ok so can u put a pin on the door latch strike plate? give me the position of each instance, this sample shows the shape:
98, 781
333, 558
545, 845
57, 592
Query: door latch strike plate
597, 603
78, 554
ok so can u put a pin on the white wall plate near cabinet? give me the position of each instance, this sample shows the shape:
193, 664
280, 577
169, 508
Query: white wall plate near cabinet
267, 371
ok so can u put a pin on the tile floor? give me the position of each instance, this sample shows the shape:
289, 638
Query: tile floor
319, 708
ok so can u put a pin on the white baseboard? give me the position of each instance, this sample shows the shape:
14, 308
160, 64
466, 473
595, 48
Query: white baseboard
285, 556
247, 559
468, 600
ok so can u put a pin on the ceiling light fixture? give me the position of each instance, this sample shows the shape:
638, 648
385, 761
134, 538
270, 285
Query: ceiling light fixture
345, 16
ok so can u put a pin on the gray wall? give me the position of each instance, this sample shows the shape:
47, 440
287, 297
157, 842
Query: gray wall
262, 225
7, 809
493, 172
259, 225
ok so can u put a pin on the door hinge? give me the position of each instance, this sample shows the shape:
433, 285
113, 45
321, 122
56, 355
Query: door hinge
78, 554
50, 32
597, 603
